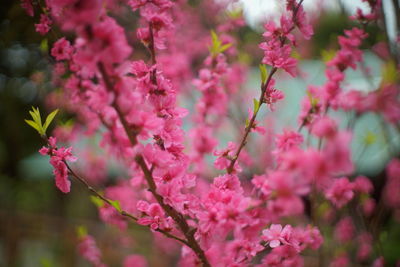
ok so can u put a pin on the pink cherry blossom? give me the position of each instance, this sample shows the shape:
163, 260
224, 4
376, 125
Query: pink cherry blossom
135, 261
276, 236
89, 250
340, 192
43, 26
58, 159
27, 5
62, 49
345, 229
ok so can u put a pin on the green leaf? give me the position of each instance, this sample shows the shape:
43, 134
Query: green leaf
235, 13
49, 119
45, 262
256, 105
36, 116
247, 123
216, 45
37, 120
98, 202
215, 40
263, 72
33, 125
81, 231
116, 205
313, 100
322, 209
44, 46
327, 55
224, 48
295, 55
389, 73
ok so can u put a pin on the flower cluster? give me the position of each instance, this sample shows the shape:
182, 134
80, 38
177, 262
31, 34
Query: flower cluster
88, 249
58, 159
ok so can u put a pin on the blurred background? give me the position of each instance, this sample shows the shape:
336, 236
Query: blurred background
38, 222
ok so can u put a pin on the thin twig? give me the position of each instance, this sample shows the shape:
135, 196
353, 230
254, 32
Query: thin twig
121, 212
250, 125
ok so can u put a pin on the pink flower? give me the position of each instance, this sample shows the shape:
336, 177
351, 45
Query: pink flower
379, 262
75, 14
365, 246
224, 156
136, 4
351, 100
153, 216
106, 43
340, 192
44, 25
363, 185
109, 215
324, 127
228, 182
89, 250
344, 230
27, 5
385, 101
368, 206
314, 238
341, 261
288, 140
203, 140
62, 49
259, 129
272, 95
135, 261
337, 152
58, 157
283, 256
275, 235
391, 189
279, 56
140, 69
303, 24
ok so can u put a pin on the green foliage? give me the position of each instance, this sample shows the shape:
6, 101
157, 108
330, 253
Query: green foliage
313, 100
98, 202
45, 262
36, 123
81, 231
44, 46
256, 105
389, 73
327, 54
247, 123
263, 73
116, 205
235, 13
216, 45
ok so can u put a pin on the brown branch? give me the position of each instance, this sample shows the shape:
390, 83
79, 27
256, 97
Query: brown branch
131, 135
175, 215
251, 123
179, 219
